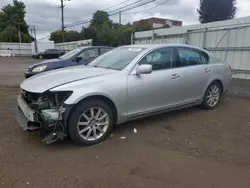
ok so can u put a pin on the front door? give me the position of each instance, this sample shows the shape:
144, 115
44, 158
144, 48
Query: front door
155, 91
86, 56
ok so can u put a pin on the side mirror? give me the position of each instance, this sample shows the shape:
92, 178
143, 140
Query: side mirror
144, 69
77, 59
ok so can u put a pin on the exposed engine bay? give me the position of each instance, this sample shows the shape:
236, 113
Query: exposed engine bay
49, 110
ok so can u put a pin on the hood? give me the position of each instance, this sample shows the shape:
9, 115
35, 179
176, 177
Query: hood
45, 62
48, 80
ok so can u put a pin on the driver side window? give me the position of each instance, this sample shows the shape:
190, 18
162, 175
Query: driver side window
159, 59
88, 54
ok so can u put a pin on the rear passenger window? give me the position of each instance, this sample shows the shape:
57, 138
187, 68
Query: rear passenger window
104, 50
189, 57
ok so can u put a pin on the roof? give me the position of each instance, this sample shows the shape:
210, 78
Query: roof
154, 46
158, 45
95, 47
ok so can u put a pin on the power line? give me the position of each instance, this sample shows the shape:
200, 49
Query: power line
111, 13
149, 8
124, 10
117, 11
126, 6
71, 18
44, 14
117, 5
130, 8
86, 21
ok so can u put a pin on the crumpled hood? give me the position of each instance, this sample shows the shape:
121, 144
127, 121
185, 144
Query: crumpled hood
48, 80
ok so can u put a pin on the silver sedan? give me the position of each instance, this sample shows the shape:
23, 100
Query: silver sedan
127, 83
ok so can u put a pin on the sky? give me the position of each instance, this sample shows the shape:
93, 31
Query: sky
45, 14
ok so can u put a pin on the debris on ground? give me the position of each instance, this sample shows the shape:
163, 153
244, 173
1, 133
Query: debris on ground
123, 138
135, 130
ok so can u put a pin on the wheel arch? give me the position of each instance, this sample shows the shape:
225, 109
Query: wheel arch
210, 82
220, 82
102, 98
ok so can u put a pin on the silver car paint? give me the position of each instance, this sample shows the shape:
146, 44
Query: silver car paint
47, 80
132, 94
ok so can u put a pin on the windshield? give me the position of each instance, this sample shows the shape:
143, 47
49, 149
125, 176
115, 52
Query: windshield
71, 53
116, 59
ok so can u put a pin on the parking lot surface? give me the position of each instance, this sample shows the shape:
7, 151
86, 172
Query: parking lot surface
191, 148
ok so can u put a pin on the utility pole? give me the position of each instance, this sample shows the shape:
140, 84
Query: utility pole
35, 38
19, 33
120, 17
62, 12
33, 30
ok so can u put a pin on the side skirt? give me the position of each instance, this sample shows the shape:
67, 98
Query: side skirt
161, 111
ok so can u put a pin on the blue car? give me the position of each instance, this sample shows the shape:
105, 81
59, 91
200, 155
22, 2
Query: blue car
78, 56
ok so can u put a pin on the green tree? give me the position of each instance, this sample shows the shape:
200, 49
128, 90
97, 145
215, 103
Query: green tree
73, 36
70, 36
56, 36
12, 16
104, 34
9, 34
101, 30
216, 10
100, 17
89, 33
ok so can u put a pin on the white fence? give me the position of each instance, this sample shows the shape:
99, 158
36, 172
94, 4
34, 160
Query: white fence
25, 49
17, 49
229, 40
68, 46
5, 53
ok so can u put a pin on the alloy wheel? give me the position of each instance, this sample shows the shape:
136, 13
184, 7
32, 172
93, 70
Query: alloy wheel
93, 124
213, 95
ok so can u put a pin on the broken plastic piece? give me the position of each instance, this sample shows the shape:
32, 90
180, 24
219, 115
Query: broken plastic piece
135, 130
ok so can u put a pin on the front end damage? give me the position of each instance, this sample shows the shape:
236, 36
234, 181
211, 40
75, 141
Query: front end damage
45, 111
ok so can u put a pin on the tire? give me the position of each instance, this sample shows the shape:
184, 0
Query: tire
77, 118
40, 57
212, 95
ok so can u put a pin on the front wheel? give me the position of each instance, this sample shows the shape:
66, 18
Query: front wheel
40, 57
91, 122
212, 96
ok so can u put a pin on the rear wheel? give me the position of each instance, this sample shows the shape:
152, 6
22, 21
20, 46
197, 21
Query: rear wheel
40, 57
91, 122
212, 96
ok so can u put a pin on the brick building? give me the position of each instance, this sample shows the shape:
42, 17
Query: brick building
159, 22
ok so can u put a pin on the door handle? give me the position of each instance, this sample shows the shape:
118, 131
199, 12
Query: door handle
206, 70
175, 76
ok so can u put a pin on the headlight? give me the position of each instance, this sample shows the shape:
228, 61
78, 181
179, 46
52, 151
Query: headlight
39, 69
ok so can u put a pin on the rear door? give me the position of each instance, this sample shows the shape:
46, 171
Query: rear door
51, 53
54, 53
192, 69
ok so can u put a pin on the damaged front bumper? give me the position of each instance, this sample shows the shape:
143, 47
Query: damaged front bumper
51, 120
